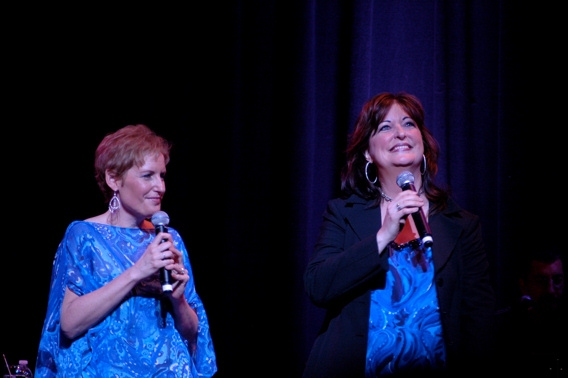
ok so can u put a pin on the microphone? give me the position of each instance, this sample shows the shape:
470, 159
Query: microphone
406, 181
526, 302
160, 220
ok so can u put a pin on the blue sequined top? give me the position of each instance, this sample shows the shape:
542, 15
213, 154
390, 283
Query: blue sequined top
405, 332
138, 338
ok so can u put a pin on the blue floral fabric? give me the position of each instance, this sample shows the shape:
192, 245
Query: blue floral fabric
138, 338
405, 332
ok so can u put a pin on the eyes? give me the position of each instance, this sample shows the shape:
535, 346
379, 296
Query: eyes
544, 281
388, 126
149, 175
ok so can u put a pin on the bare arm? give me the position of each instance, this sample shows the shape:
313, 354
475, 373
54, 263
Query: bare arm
186, 321
79, 313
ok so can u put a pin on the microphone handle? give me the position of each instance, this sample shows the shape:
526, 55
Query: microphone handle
420, 220
165, 275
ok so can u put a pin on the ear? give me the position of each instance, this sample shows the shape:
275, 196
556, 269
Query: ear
111, 180
368, 156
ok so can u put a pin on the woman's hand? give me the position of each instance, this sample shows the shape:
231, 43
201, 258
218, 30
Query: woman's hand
395, 215
179, 274
167, 256
156, 256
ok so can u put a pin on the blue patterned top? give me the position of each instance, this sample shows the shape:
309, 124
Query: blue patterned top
138, 338
405, 332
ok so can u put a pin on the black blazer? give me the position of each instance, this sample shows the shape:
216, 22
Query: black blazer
346, 267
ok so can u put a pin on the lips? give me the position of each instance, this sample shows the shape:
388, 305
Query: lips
401, 147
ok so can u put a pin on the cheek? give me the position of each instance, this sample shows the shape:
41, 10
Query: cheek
138, 188
377, 143
419, 145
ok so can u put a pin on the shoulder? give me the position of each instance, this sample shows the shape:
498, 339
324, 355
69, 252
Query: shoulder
352, 213
455, 220
80, 231
351, 202
176, 236
79, 226
174, 232
455, 211
349, 208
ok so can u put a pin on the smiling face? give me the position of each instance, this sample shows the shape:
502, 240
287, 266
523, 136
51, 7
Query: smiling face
140, 190
397, 142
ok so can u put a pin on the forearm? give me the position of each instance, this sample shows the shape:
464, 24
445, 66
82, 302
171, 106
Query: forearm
185, 319
79, 313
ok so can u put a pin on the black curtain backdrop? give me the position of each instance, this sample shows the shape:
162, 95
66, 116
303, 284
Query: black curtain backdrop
258, 98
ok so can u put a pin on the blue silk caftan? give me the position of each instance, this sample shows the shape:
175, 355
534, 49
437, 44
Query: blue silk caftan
138, 338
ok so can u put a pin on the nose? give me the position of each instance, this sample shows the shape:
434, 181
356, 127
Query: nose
554, 285
160, 185
551, 287
399, 131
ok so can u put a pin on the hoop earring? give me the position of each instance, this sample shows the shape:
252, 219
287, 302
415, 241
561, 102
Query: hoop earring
114, 203
422, 171
367, 174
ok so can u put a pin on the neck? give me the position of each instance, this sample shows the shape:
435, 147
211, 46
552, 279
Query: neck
115, 219
385, 196
389, 187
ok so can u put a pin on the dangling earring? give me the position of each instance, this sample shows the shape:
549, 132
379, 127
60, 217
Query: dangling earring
367, 174
423, 170
114, 203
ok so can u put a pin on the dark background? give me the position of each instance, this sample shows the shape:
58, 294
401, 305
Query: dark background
258, 98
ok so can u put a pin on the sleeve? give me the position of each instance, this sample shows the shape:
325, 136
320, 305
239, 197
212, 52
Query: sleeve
346, 261
478, 295
50, 344
203, 356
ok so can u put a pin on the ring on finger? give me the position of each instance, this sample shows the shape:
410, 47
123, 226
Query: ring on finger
398, 207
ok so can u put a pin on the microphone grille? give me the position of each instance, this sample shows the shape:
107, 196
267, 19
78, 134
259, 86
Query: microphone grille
160, 218
404, 178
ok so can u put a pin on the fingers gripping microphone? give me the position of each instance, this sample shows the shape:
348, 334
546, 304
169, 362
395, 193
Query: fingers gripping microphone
160, 220
406, 181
